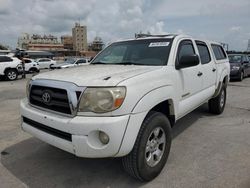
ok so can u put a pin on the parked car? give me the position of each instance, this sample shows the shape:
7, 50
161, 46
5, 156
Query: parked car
239, 66
31, 66
126, 101
71, 62
45, 63
10, 67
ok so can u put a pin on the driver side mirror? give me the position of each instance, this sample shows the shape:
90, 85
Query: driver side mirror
188, 61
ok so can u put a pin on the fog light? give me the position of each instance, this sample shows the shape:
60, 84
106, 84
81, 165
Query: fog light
104, 138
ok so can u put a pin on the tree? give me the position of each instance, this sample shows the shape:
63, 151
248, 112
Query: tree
2, 47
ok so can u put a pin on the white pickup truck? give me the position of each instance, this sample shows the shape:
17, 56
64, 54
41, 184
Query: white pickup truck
126, 101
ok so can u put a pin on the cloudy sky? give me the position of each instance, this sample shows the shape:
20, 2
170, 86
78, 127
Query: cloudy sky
225, 21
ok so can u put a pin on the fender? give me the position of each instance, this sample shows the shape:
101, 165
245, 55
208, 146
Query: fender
154, 97
2, 72
140, 110
224, 74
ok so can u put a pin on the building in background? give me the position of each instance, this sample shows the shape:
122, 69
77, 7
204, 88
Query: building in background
248, 46
45, 47
45, 39
96, 45
79, 34
67, 42
23, 41
39, 42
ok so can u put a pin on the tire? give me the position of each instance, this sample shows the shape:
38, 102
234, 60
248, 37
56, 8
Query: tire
32, 70
216, 105
135, 163
50, 66
241, 76
11, 74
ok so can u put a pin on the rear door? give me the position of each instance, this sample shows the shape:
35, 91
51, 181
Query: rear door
208, 66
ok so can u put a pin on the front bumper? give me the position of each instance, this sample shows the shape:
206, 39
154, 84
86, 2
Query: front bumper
83, 131
235, 73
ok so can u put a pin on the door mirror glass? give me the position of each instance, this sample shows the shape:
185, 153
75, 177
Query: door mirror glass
188, 61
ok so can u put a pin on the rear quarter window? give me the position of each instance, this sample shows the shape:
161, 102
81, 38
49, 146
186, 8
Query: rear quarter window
219, 52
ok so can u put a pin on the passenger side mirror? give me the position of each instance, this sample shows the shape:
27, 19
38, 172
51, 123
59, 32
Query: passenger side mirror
188, 61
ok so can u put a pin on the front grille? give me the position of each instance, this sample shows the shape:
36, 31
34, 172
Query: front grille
56, 99
49, 130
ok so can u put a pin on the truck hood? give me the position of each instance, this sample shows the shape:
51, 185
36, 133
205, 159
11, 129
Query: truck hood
96, 75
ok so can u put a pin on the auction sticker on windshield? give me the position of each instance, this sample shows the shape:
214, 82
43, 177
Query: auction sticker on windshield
158, 44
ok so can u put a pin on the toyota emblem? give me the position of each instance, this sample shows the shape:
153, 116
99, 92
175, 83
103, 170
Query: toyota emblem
46, 97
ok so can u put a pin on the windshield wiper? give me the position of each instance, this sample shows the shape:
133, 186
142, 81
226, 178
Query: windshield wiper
127, 63
98, 63
120, 63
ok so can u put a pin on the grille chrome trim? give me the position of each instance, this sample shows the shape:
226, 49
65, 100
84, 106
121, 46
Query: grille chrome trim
71, 88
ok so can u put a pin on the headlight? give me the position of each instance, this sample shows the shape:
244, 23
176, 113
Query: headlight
101, 100
28, 88
235, 68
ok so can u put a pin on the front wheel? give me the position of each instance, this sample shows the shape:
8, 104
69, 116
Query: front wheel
217, 104
11, 74
151, 148
241, 77
51, 66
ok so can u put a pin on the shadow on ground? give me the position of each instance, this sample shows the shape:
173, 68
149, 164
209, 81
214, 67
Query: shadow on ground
38, 164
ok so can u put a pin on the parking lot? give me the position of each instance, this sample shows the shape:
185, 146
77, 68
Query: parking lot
207, 150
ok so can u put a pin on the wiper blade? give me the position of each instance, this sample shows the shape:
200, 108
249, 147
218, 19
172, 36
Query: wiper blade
98, 63
128, 63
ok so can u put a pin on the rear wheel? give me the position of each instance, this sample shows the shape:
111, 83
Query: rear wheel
33, 70
151, 148
217, 104
11, 74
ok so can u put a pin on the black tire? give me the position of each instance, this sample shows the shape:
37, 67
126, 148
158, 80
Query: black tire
11, 74
216, 106
135, 162
33, 70
50, 66
241, 76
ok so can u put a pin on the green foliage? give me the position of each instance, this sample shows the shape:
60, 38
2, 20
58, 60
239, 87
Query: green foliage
2, 47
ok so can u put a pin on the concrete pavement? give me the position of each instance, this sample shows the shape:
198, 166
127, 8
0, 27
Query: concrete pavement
207, 150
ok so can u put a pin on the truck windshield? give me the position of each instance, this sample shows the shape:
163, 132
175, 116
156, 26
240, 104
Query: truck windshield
151, 52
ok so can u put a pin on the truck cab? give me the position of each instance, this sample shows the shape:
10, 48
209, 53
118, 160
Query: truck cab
126, 101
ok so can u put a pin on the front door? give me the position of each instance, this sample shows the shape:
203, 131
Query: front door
190, 80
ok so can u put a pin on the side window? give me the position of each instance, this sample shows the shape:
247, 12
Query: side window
42, 60
81, 61
222, 52
185, 48
204, 52
27, 61
5, 59
218, 52
1, 59
248, 59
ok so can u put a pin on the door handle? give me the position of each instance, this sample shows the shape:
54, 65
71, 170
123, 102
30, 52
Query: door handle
214, 69
199, 74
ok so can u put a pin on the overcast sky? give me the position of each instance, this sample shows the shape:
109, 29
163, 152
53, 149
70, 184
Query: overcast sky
225, 21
